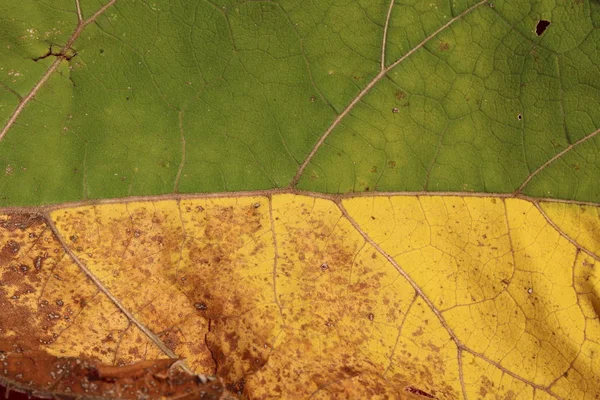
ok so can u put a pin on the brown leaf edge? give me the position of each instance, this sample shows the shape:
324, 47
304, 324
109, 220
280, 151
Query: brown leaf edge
39, 374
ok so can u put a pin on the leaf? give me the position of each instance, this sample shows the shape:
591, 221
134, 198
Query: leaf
296, 296
283, 280
335, 96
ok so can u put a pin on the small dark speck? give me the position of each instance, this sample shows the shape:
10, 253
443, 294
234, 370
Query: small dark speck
101, 51
520, 117
541, 27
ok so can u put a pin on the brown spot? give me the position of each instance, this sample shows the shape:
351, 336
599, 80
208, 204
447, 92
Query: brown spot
418, 332
444, 46
70, 377
400, 94
38, 262
419, 392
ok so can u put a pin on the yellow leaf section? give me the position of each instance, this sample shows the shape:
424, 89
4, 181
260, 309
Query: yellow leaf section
353, 327
579, 222
49, 306
193, 272
291, 296
502, 279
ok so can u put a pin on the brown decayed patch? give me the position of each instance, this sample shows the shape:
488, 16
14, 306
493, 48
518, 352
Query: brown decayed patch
27, 317
40, 373
49, 307
329, 284
224, 243
21, 222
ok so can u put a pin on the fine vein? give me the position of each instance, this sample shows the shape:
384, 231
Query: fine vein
159, 343
182, 163
563, 233
25, 100
385, 33
556, 157
371, 84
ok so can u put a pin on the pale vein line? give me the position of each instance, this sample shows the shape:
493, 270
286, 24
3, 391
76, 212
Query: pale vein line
182, 163
563, 233
275, 259
556, 157
79, 13
84, 172
80, 26
510, 373
29, 96
369, 86
400, 328
40, 209
159, 343
385, 33
461, 376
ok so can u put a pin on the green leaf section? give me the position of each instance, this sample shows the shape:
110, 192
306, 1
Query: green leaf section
479, 107
204, 96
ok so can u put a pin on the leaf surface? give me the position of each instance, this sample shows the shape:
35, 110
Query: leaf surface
326, 96
295, 296
468, 270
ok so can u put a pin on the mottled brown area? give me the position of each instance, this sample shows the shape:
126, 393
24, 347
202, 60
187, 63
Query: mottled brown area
328, 286
278, 297
27, 317
9, 251
41, 374
226, 243
47, 303
419, 392
21, 222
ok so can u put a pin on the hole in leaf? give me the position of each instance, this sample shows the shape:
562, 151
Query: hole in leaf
541, 27
520, 117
